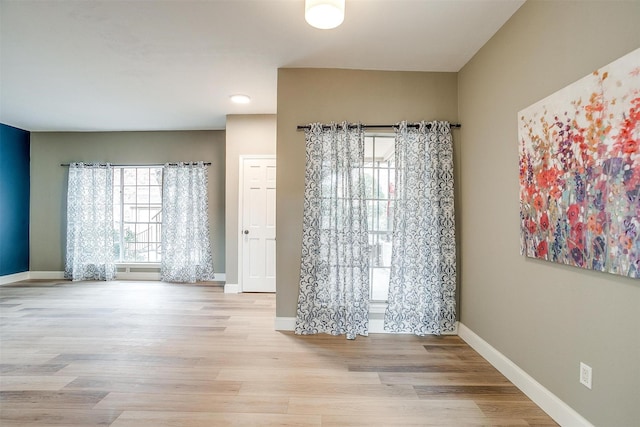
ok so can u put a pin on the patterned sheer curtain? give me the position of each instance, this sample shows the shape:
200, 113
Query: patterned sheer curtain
423, 260
334, 270
186, 250
90, 235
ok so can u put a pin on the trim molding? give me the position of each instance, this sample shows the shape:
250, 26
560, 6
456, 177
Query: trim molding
285, 324
231, 288
562, 413
120, 275
15, 277
46, 275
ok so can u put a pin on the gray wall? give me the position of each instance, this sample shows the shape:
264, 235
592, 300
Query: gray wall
246, 134
49, 179
543, 316
325, 95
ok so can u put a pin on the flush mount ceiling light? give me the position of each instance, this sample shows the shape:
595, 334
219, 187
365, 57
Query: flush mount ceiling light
324, 14
240, 99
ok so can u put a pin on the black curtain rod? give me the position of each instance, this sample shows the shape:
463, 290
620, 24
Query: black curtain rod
353, 126
141, 165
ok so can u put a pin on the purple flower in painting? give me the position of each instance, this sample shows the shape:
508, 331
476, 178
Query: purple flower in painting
629, 228
612, 166
565, 154
590, 172
598, 246
598, 201
559, 241
580, 190
597, 265
576, 254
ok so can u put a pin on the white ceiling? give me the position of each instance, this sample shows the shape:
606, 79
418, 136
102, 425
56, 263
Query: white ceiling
71, 65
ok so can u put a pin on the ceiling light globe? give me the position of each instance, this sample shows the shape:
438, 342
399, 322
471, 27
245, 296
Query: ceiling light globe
324, 14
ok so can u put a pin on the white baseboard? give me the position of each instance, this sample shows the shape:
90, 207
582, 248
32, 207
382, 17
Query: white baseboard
59, 275
231, 288
562, 413
16, 277
285, 324
46, 275
120, 275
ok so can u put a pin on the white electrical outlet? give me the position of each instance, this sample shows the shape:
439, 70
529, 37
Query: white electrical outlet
585, 375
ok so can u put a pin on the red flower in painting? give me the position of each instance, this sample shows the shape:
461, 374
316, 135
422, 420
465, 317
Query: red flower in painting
538, 204
542, 249
630, 146
544, 221
577, 236
547, 177
573, 213
531, 226
555, 193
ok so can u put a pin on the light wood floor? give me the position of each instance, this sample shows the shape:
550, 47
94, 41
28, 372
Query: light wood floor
157, 354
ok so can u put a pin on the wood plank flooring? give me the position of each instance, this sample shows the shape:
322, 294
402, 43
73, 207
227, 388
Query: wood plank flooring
157, 354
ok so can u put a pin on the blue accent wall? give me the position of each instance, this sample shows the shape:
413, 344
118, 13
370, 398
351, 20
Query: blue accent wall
14, 200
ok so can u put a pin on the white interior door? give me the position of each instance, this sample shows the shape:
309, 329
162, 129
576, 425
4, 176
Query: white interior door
258, 224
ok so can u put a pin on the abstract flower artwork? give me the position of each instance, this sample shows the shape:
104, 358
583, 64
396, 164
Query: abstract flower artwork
580, 172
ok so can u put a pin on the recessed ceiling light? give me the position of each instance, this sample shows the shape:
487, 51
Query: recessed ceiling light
240, 99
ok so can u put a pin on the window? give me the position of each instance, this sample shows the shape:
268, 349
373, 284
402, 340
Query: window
379, 171
137, 213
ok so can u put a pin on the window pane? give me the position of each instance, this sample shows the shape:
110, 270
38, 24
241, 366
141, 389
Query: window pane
374, 250
129, 213
141, 252
379, 186
129, 176
116, 239
380, 284
155, 194
155, 214
142, 233
129, 194
143, 195
368, 147
155, 231
142, 214
154, 254
143, 176
155, 176
385, 250
377, 193
129, 233
129, 251
369, 183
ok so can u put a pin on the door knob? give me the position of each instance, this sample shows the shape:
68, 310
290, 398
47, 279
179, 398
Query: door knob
246, 231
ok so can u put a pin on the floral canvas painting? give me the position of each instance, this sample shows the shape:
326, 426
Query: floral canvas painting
580, 172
